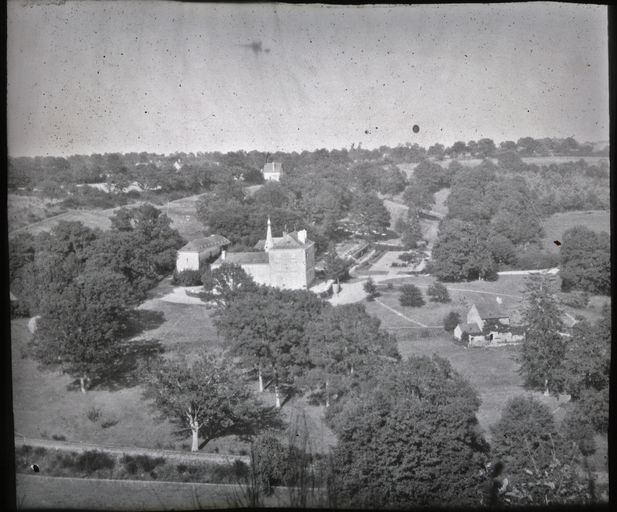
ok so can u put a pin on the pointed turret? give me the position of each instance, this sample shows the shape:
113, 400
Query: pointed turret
268, 244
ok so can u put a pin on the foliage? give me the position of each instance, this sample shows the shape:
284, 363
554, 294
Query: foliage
451, 320
370, 288
207, 397
79, 326
462, 252
344, 343
411, 439
585, 261
335, 267
544, 348
225, 282
540, 465
368, 215
411, 296
438, 293
187, 277
410, 229
533, 259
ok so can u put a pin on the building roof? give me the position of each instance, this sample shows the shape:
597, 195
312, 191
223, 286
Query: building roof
244, 258
287, 241
489, 307
473, 328
201, 244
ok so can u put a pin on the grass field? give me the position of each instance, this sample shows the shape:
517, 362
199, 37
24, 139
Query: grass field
24, 210
555, 225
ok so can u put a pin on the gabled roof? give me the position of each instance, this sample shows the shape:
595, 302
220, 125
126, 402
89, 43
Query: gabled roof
242, 258
488, 307
201, 244
473, 328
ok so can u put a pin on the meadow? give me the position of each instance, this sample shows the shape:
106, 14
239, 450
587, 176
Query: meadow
555, 225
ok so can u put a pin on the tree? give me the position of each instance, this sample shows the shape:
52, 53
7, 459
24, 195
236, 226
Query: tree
335, 267
410, 229
370, 288
459, 148
208, 398
266, 329
544, 346
451, 320
344, 343
438, 293
462, 252
368, 214
486, 148
411, 296
502, 249
225, 282
410, 439
540, 466
80, 325
585, 261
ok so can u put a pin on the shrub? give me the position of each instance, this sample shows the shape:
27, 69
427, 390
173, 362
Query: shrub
536, 259
407, 257
575, 299
57, 437
19, 309
451, 320
438, 293
144, 462
109, 423
91, 461
411, 296
94, 414
182, 468
187, 278
390, 286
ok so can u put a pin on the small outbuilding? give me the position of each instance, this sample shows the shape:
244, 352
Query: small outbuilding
196, 252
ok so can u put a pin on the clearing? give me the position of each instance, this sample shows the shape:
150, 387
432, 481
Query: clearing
555, 225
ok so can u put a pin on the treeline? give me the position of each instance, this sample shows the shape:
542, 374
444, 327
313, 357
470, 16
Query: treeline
324, 196
83, 284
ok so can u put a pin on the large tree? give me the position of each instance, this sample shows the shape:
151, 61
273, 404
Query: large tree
539, 466
343, 342
223, 283
368, 214
411, 439
462, 252
266, 329
544, 346
586, 261
80, 325
208, 398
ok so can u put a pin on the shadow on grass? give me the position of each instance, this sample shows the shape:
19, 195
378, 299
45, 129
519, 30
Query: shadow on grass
140, 320
128, 370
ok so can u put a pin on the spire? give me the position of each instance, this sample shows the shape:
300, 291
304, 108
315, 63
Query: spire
268, 244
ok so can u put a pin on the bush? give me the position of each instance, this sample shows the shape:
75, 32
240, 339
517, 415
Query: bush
536, 259
19, 309
411, 296
438, 293
94, 414
144, 462
187, 278
451, 320
407, 257
57, 437
91, 461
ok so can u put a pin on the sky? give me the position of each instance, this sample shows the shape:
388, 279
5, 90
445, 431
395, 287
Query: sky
93, 77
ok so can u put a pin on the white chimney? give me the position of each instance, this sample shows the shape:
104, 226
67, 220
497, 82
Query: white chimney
499, 300
223, 253
302, 236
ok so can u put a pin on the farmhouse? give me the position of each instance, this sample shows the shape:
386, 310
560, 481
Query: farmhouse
272, 171
193, 254
284, 262
487, 324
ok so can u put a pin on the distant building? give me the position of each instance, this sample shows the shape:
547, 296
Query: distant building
193, 254
272, 171
487, 324
283, 262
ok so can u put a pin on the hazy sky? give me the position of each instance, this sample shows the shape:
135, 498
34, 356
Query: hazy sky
88, 76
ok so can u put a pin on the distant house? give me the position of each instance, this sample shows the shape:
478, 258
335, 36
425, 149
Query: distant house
284, 262
193, 254
487, 324
272, 171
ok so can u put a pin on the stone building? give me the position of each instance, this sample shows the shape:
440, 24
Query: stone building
272, 171
283, 262
193, 254
487, 324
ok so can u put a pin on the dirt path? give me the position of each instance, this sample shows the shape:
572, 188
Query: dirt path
398, 313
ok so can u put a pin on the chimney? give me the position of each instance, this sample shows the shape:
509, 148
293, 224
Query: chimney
223, 254
302, 236
268, 244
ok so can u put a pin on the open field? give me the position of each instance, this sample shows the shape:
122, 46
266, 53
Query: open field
555, 225
181, 211
36, 491
24, 210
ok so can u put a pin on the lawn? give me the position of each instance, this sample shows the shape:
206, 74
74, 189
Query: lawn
555, 225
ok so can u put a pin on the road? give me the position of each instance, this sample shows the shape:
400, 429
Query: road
213, 458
